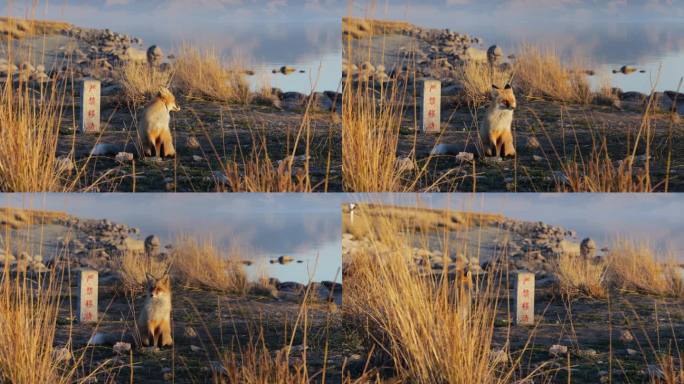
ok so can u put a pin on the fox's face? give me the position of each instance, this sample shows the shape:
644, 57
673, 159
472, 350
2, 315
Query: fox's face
159, 287
504, 98
168, 99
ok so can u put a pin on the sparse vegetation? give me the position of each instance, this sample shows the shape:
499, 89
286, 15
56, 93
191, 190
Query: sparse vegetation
578, 276
198, 263
140, 82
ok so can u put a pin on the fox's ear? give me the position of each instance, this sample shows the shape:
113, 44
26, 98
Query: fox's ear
508, 86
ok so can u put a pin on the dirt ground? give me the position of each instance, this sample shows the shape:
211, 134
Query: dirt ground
564, 132
224, 132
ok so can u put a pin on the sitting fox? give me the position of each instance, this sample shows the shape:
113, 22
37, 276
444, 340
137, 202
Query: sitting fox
495, 133
155, 317
154, 128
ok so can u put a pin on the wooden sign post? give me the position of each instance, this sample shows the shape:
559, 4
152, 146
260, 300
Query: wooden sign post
90, 106
524, 302
432, 94
87, 295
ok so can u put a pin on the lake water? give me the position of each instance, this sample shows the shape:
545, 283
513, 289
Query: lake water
605, 35
306, 227
654, 218
264, 34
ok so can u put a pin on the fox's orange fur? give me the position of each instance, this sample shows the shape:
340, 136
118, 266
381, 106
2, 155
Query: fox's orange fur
153, 129
155, 317
495, 133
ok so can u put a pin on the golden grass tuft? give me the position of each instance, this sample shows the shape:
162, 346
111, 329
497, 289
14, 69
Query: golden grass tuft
435, 329
371, 117
541, 74
29, 129
578, 276
28, 317
200, 264
637, 267
140, 82
477, 79
134, 268
201, 73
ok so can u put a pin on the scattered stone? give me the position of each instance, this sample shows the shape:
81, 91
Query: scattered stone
588, 248
154, 56
192, 142
285, 259
626, 336
123, 157
121, 347
533, 143
558, 350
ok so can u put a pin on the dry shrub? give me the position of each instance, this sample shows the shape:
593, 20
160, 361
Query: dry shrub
134, 268
200, 264
477, 79
258, 173
28, 317
371, 117
201, 73
579, 276
637, 267
541, 74
434, 329
29, 130
140, 81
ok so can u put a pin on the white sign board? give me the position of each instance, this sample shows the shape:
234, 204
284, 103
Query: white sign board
432, 94
524, 299
90, 106
87, 295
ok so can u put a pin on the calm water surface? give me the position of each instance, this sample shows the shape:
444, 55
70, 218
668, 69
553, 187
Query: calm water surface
266, 226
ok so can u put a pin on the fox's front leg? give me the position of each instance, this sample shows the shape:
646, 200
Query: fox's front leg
165, 335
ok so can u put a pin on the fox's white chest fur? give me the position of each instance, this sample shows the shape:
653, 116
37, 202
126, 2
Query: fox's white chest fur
157, 308
156, 119
497, 121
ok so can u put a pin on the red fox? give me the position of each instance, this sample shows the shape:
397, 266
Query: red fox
495, 133
154, 128
155, 317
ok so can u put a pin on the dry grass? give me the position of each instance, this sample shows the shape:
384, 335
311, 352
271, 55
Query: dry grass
201, 73
20, 28
133, 269
541, 74
371, 117
578, 276
477, 79
29, 130
637, 267
434, 329
28, 316
200, 264
258, 173
140, 81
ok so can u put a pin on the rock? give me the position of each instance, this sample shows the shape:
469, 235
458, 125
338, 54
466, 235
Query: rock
321, 102
154, 55
403, 164
190, 332
533, 143
220, 177
569, 247
121, 347
192, 142
626, 336
625, 69
286, 70
132, 245
197, 158
475, 54
134, 54
104, 149
633, 96
64, 164
588, 248
558, 350
152, 244
61, 355
123, 157
631, 352
537, 158
494, 54
285, 259
195, 348
465, 157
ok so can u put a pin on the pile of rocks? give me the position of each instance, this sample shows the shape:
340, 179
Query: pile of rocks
532, 246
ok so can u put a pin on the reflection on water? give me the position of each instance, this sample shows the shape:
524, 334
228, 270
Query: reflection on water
267, 226
654, 218
607, 34
264, 35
